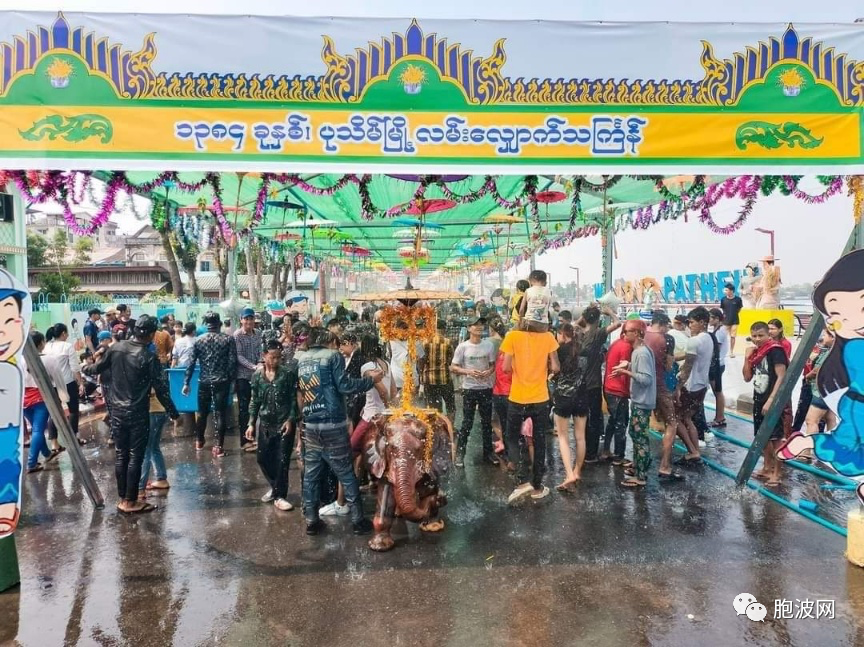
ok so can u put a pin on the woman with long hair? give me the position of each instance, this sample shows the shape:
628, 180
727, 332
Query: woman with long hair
57, 345
775, 332
571, 401
839, 298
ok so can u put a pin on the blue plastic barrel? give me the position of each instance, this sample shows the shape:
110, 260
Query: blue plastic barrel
184, 403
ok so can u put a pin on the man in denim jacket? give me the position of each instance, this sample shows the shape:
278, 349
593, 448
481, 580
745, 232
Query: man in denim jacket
323, 385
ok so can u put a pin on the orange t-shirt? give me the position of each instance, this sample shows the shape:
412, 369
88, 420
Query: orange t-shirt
530, 351
164, 344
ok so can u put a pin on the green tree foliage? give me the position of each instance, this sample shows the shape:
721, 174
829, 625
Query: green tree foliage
58, 247
83, 248
56, 285
37, 250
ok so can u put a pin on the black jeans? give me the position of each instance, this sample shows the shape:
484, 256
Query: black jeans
274, 456
803, 405
243, 389
594, 428
700, 422
130, 433
73, 405
436, 394
216, 395
619, 418
480, 399
518, 449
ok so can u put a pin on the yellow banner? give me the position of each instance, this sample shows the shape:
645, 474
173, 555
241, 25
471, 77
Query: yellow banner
381, 135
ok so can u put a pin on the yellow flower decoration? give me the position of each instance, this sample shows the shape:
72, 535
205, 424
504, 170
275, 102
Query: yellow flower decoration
413, 75
59, 69
791, 78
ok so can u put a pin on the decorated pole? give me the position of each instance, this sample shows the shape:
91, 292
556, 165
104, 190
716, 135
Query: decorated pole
608, 242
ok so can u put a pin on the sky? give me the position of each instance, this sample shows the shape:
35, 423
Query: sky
608, 10
808, 238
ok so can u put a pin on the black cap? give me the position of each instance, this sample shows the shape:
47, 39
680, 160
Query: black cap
145, 325
479, 321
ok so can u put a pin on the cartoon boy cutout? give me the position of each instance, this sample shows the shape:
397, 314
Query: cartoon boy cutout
14, 315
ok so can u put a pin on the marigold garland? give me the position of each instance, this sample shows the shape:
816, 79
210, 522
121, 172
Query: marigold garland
411, 324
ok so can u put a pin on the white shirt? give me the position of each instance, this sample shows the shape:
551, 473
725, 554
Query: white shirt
67, 359
722, 339
398, 357
374, 403
183, 351
702, 346
538, 299
52, 367
476, 357
682, 340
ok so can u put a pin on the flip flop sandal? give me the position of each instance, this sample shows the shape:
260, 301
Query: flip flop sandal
629, 472
686, 462
672, 477
147, 507
632, 483
760, 477
772, 484
150, 486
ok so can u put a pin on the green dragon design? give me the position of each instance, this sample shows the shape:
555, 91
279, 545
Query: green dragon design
771, 136
76, 128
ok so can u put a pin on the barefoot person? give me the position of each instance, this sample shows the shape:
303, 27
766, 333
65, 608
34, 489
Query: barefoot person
643, 398
571, 401
765, 365
134, 372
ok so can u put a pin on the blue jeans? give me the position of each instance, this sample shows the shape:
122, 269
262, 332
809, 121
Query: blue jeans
328, 443
153, 453
37, 416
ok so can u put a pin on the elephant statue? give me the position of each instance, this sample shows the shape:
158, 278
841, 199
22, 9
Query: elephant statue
394, 449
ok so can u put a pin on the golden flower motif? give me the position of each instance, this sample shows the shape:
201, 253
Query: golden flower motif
791, 78
59, 69
413, 75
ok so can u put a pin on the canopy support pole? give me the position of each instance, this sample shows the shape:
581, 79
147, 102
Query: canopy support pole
55, 409
608, 242
787, 384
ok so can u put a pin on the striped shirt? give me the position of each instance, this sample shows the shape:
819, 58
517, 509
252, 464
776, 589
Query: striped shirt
439, 355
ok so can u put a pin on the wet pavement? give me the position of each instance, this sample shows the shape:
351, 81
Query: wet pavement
604, 566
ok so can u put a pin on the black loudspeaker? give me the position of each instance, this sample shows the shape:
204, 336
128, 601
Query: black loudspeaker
7, 208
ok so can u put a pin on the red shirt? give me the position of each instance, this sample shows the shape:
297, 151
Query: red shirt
619, 385
503, 381
787, 347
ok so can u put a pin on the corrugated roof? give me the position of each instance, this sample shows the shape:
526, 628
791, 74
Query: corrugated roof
209, 281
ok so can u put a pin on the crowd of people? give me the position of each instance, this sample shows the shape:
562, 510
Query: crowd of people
311, 389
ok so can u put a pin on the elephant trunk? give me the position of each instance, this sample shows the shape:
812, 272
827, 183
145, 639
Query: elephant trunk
406, 499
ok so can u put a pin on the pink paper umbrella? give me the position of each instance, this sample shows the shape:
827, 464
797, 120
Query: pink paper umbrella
433, 205
547, 198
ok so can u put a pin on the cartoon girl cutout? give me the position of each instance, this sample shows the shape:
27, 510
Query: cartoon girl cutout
14, 322
840, 299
